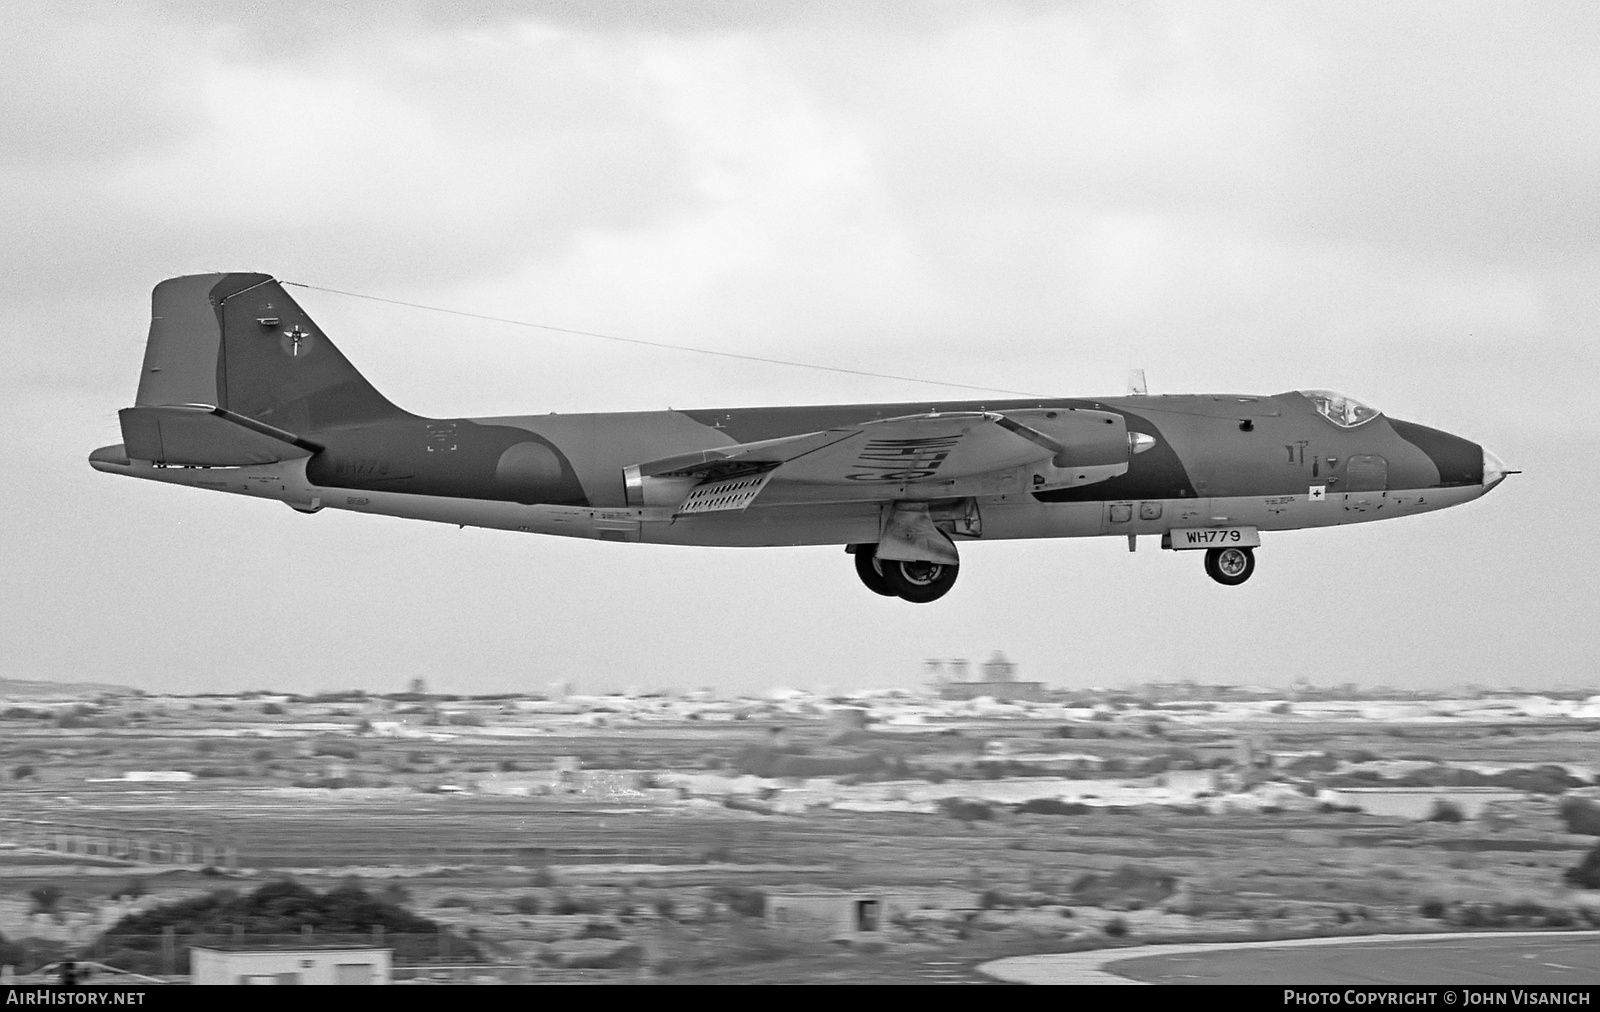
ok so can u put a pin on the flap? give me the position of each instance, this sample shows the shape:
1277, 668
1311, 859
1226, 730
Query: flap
204, 435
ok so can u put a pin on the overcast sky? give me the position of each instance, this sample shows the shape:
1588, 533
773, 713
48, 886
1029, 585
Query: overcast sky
1393, 199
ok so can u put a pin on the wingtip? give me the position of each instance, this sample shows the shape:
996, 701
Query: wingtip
109, 458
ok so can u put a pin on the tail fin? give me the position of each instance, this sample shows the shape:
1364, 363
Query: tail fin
235, 372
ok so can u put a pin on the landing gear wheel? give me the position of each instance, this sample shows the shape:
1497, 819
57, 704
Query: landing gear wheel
871, 572
1230, 566
919, 582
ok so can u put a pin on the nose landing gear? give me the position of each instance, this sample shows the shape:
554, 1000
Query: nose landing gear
1230, 566
917, 582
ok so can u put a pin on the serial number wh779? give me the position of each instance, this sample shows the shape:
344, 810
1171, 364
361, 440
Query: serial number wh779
1215, 537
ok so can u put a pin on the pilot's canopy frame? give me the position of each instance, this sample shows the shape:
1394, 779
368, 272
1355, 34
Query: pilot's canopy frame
1341, 409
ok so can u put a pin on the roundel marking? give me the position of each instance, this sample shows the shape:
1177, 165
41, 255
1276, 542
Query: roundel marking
296, 342
528, 465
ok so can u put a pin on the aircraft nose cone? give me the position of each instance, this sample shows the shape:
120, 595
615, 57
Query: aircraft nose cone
1494, 470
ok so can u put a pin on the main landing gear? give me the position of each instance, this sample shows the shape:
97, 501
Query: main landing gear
918, 582
1230, 566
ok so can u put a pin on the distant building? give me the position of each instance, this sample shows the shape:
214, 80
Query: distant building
1032, 692
1421, 803
825, 913
305, 965
845, 719
1162, 692
822, 913
1188, 783
998, 669
999, 681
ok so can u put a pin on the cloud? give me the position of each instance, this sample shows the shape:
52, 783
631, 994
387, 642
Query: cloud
79, 90
1389, 199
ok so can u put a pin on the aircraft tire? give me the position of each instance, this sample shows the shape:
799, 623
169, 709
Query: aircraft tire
919, 582
871, 572
1230, 566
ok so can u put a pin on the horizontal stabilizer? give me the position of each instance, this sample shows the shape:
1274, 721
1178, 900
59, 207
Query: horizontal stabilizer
205, 435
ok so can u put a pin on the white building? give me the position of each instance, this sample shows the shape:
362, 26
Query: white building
1420, 803
824, 913
311, 965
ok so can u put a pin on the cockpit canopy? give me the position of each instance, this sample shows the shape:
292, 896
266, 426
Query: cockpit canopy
1341, 409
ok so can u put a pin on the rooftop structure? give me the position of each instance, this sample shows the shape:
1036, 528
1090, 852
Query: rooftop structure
303, 965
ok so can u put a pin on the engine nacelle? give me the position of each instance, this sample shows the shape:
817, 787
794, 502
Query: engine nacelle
656, 490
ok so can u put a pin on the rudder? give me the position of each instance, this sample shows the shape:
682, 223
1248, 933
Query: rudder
239, 344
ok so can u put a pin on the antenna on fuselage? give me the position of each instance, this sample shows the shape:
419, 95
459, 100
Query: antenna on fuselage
1136, 385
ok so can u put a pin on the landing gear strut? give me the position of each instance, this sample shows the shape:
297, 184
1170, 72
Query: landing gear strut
917, 582
1230, 566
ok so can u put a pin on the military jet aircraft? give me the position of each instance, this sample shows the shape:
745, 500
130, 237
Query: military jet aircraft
241, 392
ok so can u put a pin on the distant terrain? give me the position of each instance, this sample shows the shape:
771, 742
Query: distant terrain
881, 836
16, 687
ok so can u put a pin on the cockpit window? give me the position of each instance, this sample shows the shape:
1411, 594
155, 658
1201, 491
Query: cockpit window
1340, 409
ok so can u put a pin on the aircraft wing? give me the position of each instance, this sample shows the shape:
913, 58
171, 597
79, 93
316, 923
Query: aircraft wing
884, 459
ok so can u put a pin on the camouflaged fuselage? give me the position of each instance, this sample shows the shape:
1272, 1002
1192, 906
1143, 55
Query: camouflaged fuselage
1201, 449
237, 345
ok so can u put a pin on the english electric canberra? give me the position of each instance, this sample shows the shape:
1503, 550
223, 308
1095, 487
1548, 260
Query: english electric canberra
241, 392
